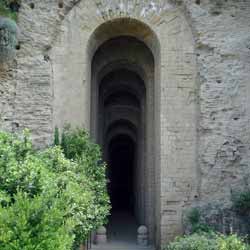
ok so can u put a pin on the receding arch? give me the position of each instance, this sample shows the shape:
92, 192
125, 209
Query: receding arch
110, 80
123, 27
121, 97
123, 64
124, 56
121, 126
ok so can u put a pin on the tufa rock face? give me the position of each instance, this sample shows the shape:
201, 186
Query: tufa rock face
201, 149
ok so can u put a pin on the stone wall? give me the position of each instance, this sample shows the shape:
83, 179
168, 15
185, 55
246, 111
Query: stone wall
220, 219
222, 33
202, 100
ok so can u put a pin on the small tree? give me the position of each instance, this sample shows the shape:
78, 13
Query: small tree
46, 200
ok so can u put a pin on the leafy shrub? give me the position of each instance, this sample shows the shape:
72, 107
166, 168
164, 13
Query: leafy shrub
76, 146
194, 219
194, 242
46, 200
241, 202
75, 143
209, 241
231, 242
34, 223
194, 216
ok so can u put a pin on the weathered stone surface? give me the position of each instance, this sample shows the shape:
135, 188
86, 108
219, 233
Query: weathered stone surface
221, 219
202, 105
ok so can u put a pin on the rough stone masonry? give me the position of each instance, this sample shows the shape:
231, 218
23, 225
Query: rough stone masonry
196, 140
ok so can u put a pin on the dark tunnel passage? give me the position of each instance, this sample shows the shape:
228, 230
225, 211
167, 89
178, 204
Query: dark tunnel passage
122, 118
121, 161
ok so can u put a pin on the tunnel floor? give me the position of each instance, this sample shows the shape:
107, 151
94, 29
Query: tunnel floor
122, 227
122, 223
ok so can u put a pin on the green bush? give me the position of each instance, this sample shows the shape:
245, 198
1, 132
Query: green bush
194, 242
231, 242
241, 202
194, 216
34, 223
76, 146
46, 200
194, 219
209, 241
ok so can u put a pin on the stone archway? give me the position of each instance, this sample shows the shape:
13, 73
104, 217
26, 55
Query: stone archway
170, 143
122, 106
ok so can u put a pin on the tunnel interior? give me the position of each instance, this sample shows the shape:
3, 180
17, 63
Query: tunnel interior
121, 102
122, 113
121, 119
121, 161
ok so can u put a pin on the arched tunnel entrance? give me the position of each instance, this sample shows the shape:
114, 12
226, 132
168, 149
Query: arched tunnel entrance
122, 109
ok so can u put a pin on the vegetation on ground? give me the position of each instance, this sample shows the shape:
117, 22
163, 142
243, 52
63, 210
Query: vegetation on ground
208, 241
203, 237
